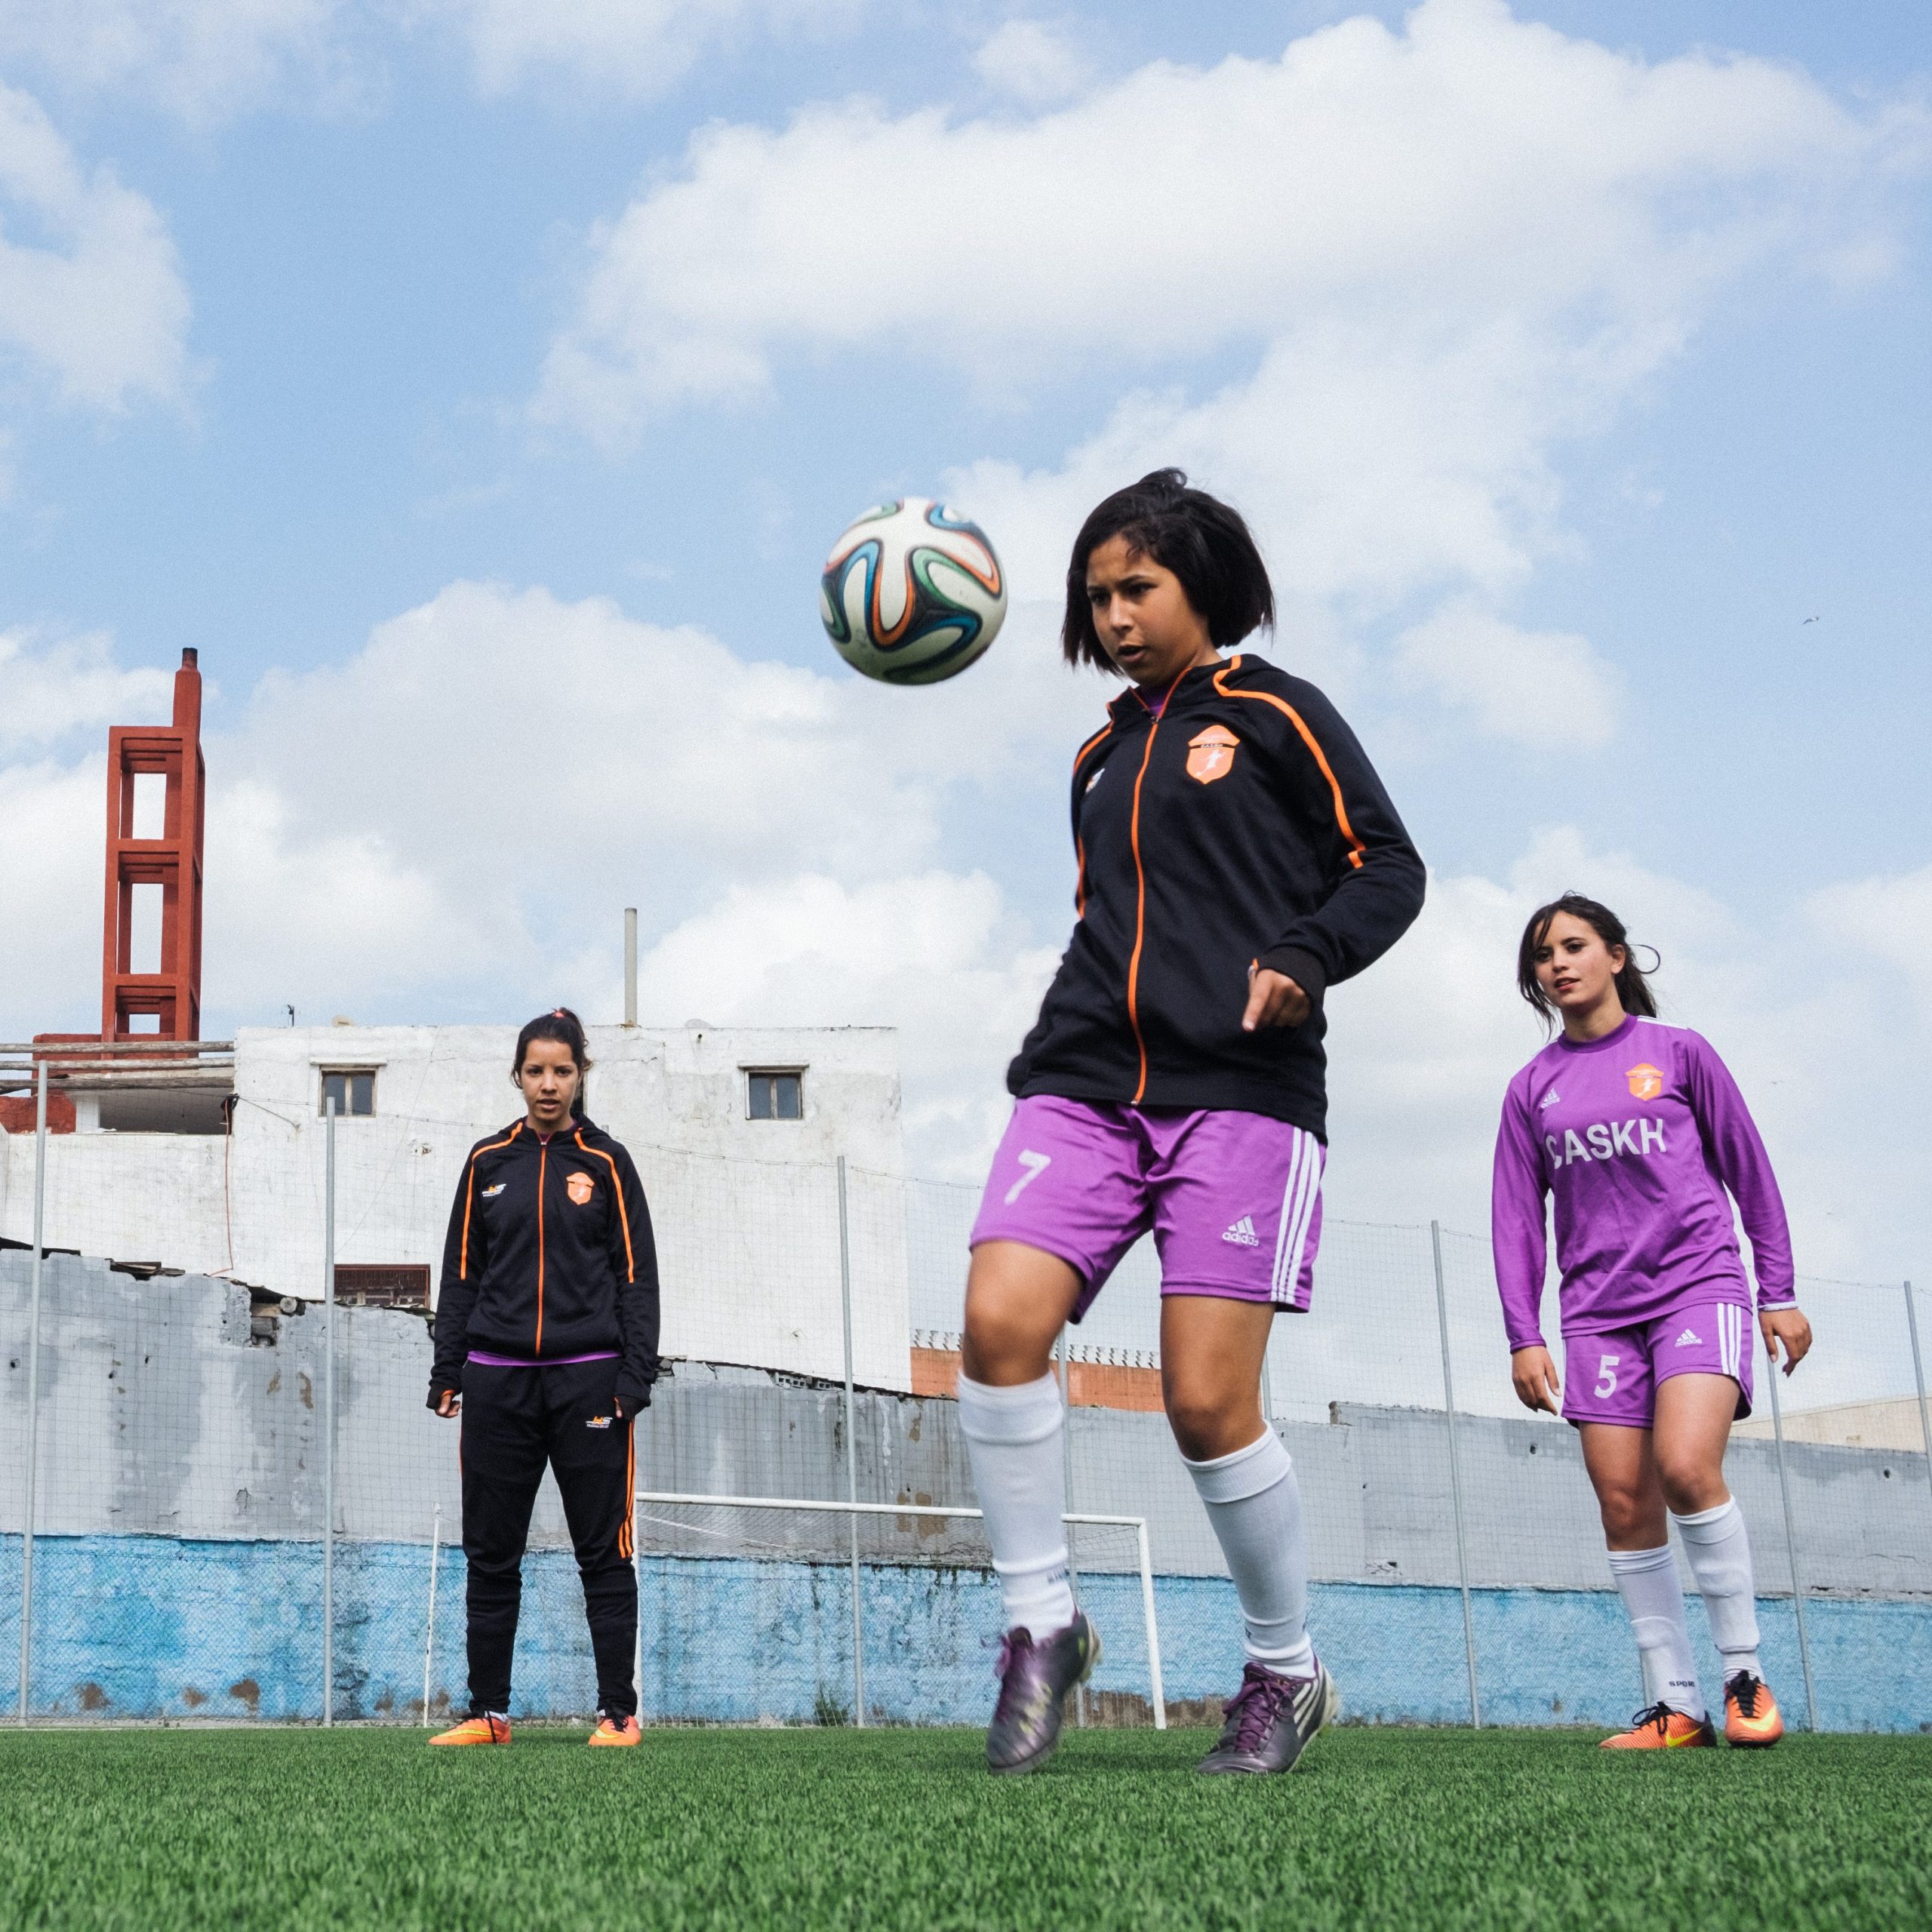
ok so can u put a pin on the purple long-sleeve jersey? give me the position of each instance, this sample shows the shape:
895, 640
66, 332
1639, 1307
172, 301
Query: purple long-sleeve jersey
1637, 1135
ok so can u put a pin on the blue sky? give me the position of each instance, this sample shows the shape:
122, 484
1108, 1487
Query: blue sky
480, 395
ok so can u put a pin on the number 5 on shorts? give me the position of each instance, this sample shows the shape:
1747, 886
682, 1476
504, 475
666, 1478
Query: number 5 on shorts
1606, 1375
1035, 1164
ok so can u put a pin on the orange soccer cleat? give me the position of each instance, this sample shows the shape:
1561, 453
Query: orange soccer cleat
616, 1732
484, 1730
1752, 1720
1660, 1728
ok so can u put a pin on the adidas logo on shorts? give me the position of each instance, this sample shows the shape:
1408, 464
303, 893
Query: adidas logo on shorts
1242, 1233
1689, 1339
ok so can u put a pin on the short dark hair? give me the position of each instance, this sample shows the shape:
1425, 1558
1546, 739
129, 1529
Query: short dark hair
563, 1026
1633, 989
1205, 542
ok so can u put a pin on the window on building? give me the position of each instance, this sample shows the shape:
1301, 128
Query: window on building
401, 1285
775, 1093
352, 1089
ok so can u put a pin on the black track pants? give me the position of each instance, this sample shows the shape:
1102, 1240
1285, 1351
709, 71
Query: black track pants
514, 1422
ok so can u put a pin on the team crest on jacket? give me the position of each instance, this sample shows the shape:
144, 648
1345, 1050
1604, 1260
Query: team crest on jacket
1210, 754
580, 1188
1646, 1081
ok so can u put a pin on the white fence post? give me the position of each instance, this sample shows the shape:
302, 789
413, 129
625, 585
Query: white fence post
1791, 1545
328, 1416
1456, 1476
429, 1639
851, 1455
33, 1385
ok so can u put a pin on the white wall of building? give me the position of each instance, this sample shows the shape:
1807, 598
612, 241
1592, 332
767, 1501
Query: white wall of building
744, 1212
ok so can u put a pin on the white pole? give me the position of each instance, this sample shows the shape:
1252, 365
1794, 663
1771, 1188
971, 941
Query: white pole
1791, 1545
33, 1385
1153, 1628
1919, 1377
430, 1640
1456, 1477
630, 965
1066, 1483
851, 1453
328, 1419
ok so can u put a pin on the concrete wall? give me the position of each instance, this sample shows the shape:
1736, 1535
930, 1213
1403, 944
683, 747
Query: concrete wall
163, 1413
746, 1211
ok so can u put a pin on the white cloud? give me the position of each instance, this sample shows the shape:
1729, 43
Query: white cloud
452, 820
1547, 690
1036, 63
201, 59
1890, 920
1470, 169
49, 688
633, 48
937, 955
96, 300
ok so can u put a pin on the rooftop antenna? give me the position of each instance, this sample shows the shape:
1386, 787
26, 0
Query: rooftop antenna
630, 965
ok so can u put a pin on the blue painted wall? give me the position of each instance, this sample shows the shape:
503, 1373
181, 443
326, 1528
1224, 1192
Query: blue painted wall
147, 1627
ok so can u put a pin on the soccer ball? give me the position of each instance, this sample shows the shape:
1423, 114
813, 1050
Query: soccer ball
912, 593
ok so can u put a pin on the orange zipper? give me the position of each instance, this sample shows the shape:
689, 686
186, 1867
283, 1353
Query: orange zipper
542, 1169
1141, 897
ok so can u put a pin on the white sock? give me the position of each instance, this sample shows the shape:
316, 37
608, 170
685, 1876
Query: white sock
1013, 1439
1254, 1503
1719, 1553
1654, 1598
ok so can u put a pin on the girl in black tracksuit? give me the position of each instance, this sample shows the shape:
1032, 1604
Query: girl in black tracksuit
547, 1342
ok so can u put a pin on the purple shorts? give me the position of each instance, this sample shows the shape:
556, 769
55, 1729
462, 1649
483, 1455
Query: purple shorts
1234, 1199
1613, 1376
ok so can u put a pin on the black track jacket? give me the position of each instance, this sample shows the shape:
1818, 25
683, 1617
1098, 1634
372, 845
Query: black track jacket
549, 1254
1245, 826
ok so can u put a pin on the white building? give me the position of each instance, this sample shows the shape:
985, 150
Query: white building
736, 1133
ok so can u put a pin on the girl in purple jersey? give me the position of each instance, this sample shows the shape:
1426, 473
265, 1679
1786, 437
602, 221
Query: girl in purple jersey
1638, 1130
1236, 855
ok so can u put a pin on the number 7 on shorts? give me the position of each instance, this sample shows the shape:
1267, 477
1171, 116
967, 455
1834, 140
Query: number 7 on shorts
1035, 1164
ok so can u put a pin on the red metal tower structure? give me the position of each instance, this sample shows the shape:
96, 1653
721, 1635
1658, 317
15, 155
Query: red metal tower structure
173, 995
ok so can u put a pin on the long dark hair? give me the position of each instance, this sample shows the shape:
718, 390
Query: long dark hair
563, 1026
1205, 544
1633, 989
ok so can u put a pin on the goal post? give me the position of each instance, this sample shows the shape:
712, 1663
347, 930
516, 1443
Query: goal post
1073, 1518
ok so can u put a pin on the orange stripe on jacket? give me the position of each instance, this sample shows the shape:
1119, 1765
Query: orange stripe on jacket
1140, 896
623, 1213
469, 1195
1308, 738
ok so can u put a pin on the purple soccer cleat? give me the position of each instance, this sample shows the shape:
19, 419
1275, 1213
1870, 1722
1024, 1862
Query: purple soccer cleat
1272, 1719
1034, 1680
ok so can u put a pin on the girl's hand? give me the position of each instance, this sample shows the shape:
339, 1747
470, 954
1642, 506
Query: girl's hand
1538, 1385
451, 1405
1788, 1326
1273, 1000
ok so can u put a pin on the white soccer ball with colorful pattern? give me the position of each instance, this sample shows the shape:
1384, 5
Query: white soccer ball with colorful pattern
913, 593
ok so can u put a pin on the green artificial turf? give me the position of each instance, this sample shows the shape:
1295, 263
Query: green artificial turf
1428, 1829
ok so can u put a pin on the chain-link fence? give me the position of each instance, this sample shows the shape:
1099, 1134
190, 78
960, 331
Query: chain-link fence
217, 1501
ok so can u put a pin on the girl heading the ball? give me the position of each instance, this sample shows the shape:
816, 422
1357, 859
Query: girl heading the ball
1638, 1130
1235, 856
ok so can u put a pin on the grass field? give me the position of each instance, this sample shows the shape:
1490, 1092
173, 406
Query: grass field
161, 1829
